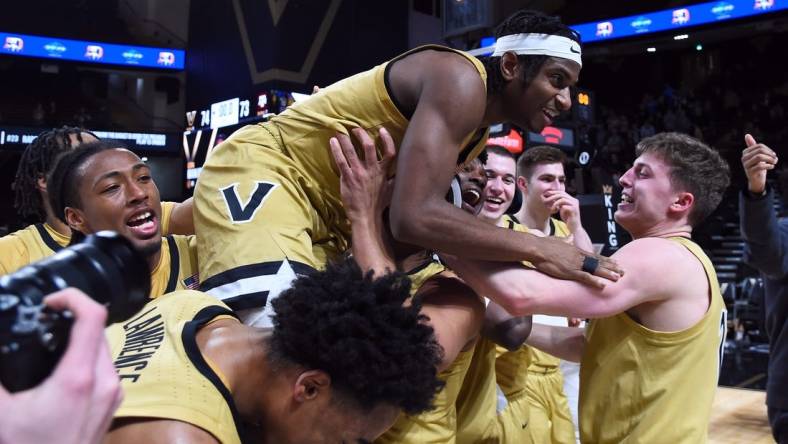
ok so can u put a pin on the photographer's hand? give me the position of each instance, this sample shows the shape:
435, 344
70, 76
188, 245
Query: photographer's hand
76, 403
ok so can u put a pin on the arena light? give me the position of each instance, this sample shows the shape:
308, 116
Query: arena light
681, 37
651, 49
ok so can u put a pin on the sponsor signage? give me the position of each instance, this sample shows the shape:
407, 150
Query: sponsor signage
91, 52
18, 138
667, 19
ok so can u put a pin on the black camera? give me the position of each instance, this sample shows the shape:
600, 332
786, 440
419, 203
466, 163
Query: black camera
105, 266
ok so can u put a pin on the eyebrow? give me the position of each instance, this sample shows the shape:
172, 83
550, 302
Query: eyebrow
135, 168
363, 441
565, 72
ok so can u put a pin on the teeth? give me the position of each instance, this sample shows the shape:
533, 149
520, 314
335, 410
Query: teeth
473, 193
494, 200
142, 216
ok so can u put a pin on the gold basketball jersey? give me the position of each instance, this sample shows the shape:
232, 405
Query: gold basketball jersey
267, 205
641, 385
439, 424
162, 371
39, 241
29, 245
177, 268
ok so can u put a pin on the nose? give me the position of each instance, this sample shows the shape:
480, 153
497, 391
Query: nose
563, 100
626, 179
136, 192
494, 186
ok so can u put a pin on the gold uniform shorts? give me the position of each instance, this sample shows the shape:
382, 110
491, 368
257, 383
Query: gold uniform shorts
551, 421
260, 221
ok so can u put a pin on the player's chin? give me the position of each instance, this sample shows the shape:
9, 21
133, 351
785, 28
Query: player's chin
537, 123
147, 247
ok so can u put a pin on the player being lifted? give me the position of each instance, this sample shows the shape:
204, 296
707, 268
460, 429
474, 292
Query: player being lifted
268, 205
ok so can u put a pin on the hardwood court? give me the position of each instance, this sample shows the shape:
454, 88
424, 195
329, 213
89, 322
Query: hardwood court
739, 416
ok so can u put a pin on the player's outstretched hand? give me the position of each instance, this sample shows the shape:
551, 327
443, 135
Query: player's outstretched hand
564, 261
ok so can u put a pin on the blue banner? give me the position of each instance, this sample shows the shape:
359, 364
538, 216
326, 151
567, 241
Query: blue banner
91, 52
669, 19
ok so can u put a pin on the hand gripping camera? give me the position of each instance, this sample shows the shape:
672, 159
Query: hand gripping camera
105, 266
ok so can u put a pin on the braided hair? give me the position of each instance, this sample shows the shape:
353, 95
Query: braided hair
38, 160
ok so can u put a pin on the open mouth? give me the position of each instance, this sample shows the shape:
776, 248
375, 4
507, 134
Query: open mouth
143, 223
626, 201
470, 198
549, 115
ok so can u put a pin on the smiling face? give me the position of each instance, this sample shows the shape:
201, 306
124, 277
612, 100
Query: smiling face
472, 183
547, 95
116, 192
648, 198
500, 170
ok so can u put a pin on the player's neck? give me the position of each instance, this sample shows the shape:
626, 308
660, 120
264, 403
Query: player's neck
239, 352
56, 224
664, 229
493, 113
536, 220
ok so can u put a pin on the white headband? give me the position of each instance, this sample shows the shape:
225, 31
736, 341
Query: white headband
539, 44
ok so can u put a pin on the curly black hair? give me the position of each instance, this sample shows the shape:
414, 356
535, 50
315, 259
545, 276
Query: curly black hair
63, 182
38, 160
522, 22
356, 329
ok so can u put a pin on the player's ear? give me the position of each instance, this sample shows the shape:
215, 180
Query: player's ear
522, 184
41, 183
510, 66
76, 219
682, 202
310, 385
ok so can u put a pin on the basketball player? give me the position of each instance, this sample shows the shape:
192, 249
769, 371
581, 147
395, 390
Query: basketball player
343, 358
499, 358
102, 186
541, 181
455, 312
453, 309
268, 204
49, 234
651, 354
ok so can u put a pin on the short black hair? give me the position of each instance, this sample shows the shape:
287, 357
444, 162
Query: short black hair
524, 22
38, 160
355, 328
63, 183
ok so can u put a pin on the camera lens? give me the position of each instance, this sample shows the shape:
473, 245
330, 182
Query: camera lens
105, 266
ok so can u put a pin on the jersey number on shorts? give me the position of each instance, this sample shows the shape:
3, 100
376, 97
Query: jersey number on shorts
242, 213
